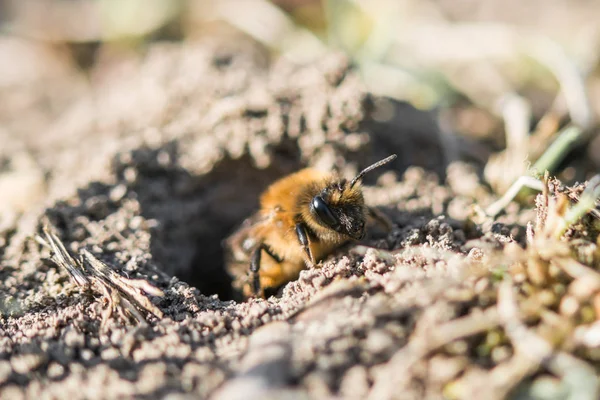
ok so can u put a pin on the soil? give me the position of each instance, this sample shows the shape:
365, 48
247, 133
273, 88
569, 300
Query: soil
157, 160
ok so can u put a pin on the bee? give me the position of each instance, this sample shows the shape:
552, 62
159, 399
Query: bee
303, 218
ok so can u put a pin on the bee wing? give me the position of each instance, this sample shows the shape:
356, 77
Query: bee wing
240, 245
241, 242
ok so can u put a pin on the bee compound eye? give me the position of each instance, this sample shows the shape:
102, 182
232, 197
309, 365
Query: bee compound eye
323, 212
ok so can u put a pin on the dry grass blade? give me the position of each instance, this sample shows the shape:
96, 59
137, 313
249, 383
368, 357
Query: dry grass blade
587, 201
61, 257
132, 289
563, 218
124, 295
524, 181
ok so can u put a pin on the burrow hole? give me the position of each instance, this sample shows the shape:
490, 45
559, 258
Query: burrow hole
196, 213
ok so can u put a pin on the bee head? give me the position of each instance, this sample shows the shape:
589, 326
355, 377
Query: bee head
341, 211
341, 206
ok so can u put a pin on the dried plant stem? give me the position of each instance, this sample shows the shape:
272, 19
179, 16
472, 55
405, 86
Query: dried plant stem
427, 340
585, 203
524, 181
578, 375
124, 295
506, 376
61, 257
577, 270
498, 383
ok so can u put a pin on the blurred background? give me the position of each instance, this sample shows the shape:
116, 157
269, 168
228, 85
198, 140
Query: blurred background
510, 76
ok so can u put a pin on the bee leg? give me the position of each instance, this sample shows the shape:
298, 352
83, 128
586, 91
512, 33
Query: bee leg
303, 239
255, 268
254, 275
380, 218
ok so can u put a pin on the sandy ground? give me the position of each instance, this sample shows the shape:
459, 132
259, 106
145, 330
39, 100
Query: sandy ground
156, 162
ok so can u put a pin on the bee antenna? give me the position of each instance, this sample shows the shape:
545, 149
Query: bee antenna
371, 168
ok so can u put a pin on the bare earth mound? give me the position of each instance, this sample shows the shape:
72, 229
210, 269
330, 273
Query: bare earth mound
164, 157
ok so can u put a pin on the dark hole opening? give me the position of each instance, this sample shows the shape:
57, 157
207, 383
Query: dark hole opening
196, 213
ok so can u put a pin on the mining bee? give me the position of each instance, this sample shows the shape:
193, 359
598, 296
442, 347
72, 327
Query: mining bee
303, 217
